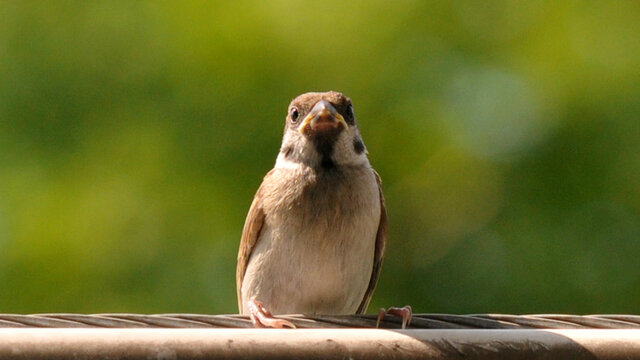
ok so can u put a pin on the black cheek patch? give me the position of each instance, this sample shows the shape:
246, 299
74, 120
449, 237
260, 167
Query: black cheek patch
287, 151
358, 146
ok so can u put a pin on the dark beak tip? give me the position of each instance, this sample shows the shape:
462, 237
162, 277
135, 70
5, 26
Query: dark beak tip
323, 119
323, 106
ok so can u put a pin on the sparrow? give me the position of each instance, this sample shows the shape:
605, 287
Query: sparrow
314, 239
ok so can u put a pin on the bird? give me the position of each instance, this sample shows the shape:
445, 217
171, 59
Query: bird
314, 239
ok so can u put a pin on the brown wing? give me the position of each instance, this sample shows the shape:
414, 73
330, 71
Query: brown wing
381, 241
250, 235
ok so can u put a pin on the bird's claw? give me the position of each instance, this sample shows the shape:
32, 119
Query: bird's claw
404, 312
261, 317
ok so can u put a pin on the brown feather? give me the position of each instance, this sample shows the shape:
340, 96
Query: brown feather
378, 257
250, 235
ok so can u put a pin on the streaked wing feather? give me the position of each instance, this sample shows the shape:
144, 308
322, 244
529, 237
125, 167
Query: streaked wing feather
381, 241
250, 235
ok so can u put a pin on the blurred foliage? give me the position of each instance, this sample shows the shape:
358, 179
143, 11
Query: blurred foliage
133, 136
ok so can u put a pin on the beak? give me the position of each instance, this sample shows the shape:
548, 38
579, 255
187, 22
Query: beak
322, 117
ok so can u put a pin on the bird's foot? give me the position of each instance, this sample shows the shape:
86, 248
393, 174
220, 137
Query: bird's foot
404, 312
261, 317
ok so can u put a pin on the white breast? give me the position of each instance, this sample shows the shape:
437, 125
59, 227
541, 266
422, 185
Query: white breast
316, 248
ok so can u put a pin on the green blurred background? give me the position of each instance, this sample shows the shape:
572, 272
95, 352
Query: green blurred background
133, 136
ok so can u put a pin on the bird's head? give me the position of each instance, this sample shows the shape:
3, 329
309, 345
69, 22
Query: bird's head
321, 132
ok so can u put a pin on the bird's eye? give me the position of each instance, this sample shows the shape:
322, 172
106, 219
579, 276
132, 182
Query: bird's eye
293, 112
349, 111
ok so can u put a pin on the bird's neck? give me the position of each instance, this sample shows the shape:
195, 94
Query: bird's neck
319, 165
325, 147
322, 154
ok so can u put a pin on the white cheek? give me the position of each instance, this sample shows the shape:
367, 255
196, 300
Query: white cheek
283, 163
344, 152
302, 153
305, 153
